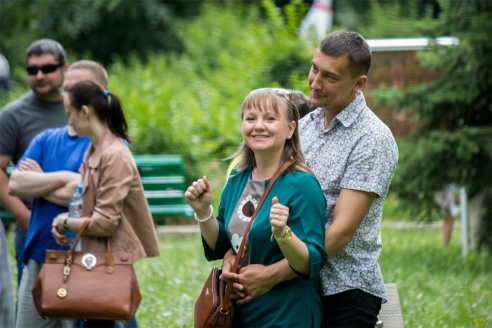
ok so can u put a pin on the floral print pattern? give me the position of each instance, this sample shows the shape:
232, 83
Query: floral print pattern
357, 151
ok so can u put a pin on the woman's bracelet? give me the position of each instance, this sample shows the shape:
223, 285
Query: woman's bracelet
207, 218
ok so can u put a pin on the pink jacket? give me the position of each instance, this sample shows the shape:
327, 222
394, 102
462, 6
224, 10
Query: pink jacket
114, 200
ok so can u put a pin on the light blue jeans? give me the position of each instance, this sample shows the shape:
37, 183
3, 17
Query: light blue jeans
19, 242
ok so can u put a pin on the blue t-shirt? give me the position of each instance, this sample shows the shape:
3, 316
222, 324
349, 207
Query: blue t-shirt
54, 150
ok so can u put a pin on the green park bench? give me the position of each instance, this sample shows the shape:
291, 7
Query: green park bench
163, 180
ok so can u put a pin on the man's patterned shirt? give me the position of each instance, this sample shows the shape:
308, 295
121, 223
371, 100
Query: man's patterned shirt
357, 151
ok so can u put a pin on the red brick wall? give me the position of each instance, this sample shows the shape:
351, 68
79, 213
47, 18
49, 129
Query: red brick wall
395, 69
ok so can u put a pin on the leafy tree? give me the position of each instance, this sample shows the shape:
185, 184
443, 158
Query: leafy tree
454, 142
106, 30
97, 29
395, 18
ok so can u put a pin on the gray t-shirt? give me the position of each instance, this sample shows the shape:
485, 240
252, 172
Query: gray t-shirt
22, 119
246, 206
357, 151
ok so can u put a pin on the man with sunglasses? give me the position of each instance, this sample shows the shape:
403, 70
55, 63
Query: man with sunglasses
23, 118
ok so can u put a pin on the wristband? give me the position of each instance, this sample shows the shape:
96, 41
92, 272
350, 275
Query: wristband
286, 237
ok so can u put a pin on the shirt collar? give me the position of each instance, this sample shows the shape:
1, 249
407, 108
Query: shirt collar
347, 116
94, 154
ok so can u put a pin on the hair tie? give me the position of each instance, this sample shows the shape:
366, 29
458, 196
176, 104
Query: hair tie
106, 93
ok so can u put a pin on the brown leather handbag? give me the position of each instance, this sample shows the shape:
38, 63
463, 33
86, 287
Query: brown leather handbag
214, 308
79, 285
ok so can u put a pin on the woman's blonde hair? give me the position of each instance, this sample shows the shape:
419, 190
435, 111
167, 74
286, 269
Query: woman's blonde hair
278, 100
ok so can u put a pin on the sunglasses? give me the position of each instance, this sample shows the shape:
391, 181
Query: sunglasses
33, 70
287, 94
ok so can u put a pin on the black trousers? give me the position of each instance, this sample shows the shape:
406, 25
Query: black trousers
94, 323
352, 308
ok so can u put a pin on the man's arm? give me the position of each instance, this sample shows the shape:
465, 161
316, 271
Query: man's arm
351, 208
28, 184
56, 187
256, 280
61, 196
12, 204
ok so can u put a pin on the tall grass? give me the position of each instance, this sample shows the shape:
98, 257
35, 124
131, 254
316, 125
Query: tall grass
437, 287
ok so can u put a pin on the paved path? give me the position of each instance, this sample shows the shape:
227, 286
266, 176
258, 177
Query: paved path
178, 229
192, 229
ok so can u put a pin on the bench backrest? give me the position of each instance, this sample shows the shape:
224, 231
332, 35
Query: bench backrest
163, 179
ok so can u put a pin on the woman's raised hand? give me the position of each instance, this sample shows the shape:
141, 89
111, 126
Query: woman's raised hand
199, 196
279, 215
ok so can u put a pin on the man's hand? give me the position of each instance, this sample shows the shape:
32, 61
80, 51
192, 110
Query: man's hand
255, 280
30, 165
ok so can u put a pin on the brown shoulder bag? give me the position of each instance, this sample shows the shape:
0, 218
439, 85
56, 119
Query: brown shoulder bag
80, 285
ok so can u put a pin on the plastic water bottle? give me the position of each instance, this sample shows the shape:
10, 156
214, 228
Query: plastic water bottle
75, 210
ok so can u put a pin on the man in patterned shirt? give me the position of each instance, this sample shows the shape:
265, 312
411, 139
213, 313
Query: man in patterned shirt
354, 155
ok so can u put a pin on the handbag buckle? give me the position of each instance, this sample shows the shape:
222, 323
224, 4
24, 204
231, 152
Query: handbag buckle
61, 293
89, 261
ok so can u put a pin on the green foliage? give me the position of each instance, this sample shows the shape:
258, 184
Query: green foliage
455, 113
294, 14
395, 19
385, 18
191, 103
100, 30
15, 93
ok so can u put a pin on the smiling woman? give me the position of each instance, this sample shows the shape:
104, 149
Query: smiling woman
265, 127
288, 227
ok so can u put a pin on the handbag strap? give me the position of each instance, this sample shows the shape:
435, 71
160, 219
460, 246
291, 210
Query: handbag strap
109, 253
77, 238
226, 300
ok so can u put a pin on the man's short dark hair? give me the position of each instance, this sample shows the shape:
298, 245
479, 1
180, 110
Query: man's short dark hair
47, 46
351, 45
